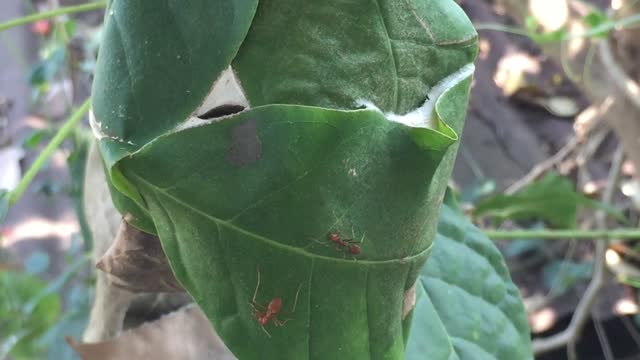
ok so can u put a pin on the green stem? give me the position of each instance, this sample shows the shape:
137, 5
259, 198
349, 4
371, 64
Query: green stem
603, 29
631, 233
42, 158
53, 13
502, 28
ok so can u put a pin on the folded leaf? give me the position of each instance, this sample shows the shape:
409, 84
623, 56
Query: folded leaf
244, 133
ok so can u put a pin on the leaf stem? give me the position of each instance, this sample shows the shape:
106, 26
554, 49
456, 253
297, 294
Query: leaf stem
624, 233
53, 13
46, 153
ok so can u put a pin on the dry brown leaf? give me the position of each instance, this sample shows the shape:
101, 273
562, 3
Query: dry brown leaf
136, 262
184, 334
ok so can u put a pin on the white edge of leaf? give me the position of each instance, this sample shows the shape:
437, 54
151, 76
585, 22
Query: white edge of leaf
226, 90
98, 132
422, 117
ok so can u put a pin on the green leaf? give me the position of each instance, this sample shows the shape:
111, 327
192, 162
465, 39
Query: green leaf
31, 306
552, 199
596, 18
4, 205
273, 210
243, 203
477, 190
158, 60
77, 162
467, 307
44, 71
335, 53
20, 330
35, 138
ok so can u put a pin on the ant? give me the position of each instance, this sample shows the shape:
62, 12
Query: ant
352, 245
264, 314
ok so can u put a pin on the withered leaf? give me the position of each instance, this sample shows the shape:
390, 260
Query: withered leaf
184, 334
136, 262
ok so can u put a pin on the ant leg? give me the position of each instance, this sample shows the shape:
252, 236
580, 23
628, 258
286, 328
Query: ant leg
257, 307
295, 302
363, 235
277, 322
319, 242
255, 293
265, 331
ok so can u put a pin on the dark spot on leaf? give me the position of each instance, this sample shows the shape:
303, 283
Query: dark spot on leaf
246, 147
222, 110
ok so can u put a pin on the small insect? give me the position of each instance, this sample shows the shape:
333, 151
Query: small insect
352, 245
354, 249
272, 310
265, 314
337, 239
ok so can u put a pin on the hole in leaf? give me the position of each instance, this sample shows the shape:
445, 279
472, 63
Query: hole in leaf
222, 110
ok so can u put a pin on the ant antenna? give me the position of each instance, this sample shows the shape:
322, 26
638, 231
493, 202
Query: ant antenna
255, 293
295, 302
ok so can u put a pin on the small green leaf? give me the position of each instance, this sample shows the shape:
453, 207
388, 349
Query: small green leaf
4, 205
35, 138
44, 71
531, 24
596, 18
477, 190
77, 162
552, 199
25, 328
599, 24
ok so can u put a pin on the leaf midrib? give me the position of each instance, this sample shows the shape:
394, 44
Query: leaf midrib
271, 242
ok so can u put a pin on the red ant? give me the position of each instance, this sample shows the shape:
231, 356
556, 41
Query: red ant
350, 244
270, 312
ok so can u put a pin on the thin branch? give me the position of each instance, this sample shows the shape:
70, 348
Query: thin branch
605, 234
593, 115
543, 167
46, 153
570, 336
53, 13
625, 84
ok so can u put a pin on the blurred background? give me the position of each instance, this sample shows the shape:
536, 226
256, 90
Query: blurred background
552, 142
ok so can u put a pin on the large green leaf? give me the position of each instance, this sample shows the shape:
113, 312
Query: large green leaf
467, 307
158, 59
271, 210
246, 199
337, 53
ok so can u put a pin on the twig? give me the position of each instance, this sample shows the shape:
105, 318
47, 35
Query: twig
604, 341
543, 167
626, 85
554, 160
53, 13
572, 333
46, 153
605, 234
